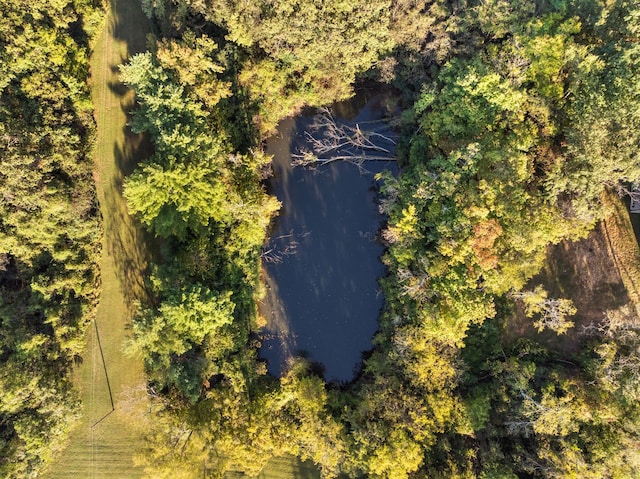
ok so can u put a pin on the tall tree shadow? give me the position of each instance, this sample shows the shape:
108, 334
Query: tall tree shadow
122, 150
125, 239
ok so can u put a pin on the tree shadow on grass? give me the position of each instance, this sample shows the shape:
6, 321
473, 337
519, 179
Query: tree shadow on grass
130, 24
286, 467
125, 239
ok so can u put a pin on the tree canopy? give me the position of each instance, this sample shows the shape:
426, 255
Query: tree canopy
49, 227
506, 109
514, 118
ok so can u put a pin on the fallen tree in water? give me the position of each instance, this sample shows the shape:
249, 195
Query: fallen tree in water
331, 141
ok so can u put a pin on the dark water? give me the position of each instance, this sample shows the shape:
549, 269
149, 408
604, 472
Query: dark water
322, 262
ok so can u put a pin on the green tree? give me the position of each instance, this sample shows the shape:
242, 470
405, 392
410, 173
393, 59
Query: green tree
302, 52
176, 199
49, 230
602, 133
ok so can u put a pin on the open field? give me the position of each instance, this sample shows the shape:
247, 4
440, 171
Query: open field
598, 273
102, 444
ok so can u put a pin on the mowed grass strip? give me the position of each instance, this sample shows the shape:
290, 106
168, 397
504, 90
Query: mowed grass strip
103, 443
623, 246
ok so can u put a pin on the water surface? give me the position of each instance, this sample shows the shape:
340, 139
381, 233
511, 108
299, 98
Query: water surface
322, 262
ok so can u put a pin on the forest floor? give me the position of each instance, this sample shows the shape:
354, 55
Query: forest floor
111, 384
598, 273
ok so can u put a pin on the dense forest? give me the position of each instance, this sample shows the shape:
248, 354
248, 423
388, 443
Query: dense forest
49, 229
516, 118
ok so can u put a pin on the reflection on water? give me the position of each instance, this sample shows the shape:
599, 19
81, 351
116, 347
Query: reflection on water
278, 332
322, 261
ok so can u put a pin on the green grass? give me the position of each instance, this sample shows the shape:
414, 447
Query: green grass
106, 449
623, 246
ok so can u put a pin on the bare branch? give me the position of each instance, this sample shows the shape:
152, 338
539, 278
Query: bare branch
553, 313
276, 255
342, 142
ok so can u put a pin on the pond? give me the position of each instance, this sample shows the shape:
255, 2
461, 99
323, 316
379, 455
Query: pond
322, 262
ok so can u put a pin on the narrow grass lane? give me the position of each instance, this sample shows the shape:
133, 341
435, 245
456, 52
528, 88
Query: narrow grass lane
111, 384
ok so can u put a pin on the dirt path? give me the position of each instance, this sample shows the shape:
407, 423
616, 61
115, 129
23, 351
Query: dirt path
111, 384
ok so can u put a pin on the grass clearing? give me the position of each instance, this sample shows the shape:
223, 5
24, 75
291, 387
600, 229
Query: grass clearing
102, 444
598, 273
623, 246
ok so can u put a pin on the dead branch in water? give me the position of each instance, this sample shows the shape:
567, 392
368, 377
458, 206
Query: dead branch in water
342, 142
276, 255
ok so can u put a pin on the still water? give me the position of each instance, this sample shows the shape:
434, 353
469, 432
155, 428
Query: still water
322, 262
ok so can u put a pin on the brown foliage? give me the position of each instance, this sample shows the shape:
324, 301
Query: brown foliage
485, 234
